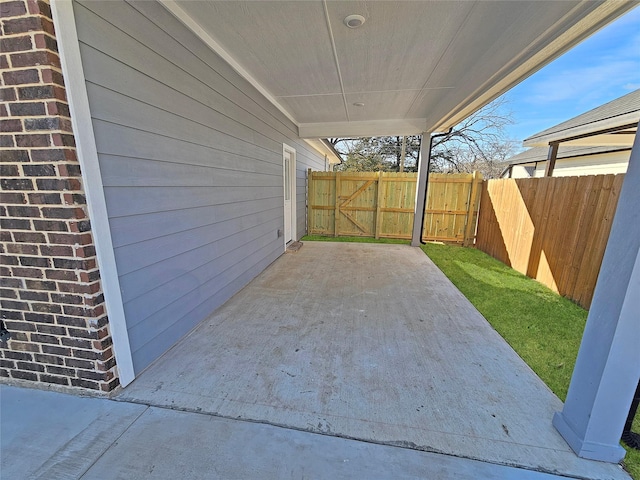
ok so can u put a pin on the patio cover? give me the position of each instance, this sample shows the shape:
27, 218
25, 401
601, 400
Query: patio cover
412, 67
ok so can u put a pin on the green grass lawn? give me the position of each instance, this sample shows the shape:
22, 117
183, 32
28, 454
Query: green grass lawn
544, 328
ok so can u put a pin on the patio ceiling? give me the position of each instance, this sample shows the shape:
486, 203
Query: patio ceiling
416, 66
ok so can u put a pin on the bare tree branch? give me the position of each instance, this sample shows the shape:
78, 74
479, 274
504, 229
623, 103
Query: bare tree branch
477, 143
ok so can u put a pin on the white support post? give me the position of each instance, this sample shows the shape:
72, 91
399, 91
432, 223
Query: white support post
421, 189
608, 364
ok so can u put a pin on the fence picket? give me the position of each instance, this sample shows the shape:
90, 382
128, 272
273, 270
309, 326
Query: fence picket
553, 229
381, 205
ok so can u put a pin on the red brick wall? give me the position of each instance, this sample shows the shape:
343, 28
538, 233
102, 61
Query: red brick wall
51, 296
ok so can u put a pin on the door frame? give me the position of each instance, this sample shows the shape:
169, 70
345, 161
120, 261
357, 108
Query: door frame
292, 184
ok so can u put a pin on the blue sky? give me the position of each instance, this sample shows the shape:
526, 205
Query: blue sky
603, 67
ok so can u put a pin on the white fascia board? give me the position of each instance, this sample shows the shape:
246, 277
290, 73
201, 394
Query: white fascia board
195, 27
619, 140
74, 79
372, 128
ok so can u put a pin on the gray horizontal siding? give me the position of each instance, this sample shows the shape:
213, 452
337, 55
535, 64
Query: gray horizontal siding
191, 160
138, 228
140, 144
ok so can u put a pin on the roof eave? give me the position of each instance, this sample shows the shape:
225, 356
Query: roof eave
579, 23
603, 127
324, 147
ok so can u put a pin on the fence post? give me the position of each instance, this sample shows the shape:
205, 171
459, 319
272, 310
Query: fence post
310, 197
469, 231
379, 206
336, 220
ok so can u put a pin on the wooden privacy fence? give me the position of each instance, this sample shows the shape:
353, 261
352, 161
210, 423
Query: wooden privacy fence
553, 229
381, 205
451, 210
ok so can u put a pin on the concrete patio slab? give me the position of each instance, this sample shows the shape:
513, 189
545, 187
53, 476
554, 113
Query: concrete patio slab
368, 342
44, 437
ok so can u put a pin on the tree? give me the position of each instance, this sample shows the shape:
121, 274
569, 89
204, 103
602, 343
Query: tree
477, 143
381, 153
378, 153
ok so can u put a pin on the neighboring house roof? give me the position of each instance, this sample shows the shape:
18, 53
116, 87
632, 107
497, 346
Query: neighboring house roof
605, 129
539, 154
621, 115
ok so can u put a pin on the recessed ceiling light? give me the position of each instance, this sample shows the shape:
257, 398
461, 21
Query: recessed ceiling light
358, 104
354, 21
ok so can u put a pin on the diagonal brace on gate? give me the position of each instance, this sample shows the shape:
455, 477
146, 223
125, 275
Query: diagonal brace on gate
357, 192
364, 186
355, 222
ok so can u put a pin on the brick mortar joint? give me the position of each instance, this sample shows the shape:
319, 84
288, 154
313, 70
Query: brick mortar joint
33, 100
40, 68
65, 257
88, 327
39, 117
7, 305
46, 115
46, 101
21, 118
28, 13
91, 341
110, 373
29, 33
85, 296
31, 302
32, 35
42, 132
33, 50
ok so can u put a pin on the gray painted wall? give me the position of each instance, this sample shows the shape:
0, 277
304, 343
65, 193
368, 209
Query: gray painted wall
191, 159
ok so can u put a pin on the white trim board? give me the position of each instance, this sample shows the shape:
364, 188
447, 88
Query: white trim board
294, 206
366, 128
72, 69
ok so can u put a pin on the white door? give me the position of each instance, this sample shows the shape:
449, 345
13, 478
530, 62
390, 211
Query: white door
289, 167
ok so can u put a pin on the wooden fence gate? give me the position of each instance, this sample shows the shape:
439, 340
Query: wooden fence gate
380, 205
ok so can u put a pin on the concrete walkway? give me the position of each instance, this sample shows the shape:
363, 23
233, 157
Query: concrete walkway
366, 342
47, 435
